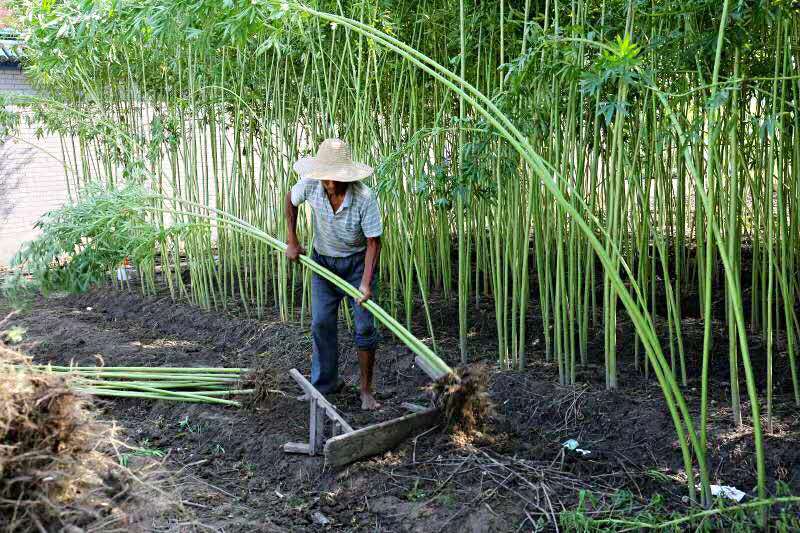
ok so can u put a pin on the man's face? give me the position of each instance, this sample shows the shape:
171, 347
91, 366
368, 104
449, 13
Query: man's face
331, 187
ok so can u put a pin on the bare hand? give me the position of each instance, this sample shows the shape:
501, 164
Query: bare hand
294, 251
366, 292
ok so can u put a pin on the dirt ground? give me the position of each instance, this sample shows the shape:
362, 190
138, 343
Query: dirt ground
233, 475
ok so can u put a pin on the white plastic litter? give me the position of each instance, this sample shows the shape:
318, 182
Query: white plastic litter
732, 493
320, 518
122, 274
572, 445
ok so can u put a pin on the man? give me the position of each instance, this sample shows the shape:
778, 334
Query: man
347, 241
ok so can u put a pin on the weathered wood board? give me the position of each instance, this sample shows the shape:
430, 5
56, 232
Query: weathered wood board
378, 438
413, 407
318, 409
297, 447
322, 402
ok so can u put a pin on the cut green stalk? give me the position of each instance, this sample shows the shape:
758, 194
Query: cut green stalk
156, 395
155, 369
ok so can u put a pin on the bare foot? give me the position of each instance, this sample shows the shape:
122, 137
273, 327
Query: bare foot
368, 402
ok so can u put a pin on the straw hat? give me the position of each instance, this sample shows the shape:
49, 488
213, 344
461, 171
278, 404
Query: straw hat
332, 162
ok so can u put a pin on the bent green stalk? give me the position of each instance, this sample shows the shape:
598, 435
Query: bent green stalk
416, 345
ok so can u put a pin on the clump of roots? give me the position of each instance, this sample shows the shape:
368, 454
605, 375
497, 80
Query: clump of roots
57, 471
463, 399
265, 382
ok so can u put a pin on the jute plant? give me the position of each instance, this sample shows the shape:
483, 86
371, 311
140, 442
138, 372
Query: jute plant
622, 166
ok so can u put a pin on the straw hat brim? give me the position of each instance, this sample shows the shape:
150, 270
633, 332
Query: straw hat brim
311, 167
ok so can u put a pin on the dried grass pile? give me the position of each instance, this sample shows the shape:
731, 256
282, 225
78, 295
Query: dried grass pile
58, 466
463, 398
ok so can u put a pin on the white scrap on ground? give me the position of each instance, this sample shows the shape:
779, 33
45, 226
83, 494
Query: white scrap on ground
572, 445
732, 493
320, 518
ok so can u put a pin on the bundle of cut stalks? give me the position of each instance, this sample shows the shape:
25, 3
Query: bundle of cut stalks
175, 384
58, 469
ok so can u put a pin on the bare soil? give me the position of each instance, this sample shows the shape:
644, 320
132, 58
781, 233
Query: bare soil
234, 476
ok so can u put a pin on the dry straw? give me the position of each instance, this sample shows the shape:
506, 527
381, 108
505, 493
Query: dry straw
58, 462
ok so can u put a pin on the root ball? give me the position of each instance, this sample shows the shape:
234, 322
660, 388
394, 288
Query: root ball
265, 382
463, 398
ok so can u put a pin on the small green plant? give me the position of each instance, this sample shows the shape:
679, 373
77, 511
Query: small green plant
296, 502
218, 450
82, 243
657, 476
415, 494
447, 499
247, 469
186, 426
13, 335
139, 452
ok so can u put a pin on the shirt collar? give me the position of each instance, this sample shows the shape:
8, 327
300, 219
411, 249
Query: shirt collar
348, 197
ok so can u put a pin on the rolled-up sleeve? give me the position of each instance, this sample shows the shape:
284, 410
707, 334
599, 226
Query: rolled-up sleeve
371, 223
299, 192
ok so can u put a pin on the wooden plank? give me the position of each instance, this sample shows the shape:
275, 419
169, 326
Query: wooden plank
297, 447
313, 426
319, 438
432, 372
321, 401
413, 407
304, 383
377, 438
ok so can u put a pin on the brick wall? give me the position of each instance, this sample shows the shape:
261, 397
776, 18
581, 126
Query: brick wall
31, 181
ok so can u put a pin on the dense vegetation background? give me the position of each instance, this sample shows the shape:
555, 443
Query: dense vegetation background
585, 166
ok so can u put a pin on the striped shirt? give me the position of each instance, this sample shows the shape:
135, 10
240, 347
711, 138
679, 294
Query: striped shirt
345, 232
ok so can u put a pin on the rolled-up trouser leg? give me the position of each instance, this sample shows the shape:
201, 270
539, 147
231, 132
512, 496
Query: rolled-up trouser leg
366, 334
325, 299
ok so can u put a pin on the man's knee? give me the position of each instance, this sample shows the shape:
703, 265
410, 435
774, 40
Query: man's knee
366, 337
323, 325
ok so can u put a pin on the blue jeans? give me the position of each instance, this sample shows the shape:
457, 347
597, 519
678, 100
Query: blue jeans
325, 300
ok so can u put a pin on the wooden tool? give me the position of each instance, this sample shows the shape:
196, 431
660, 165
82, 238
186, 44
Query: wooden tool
346, 444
